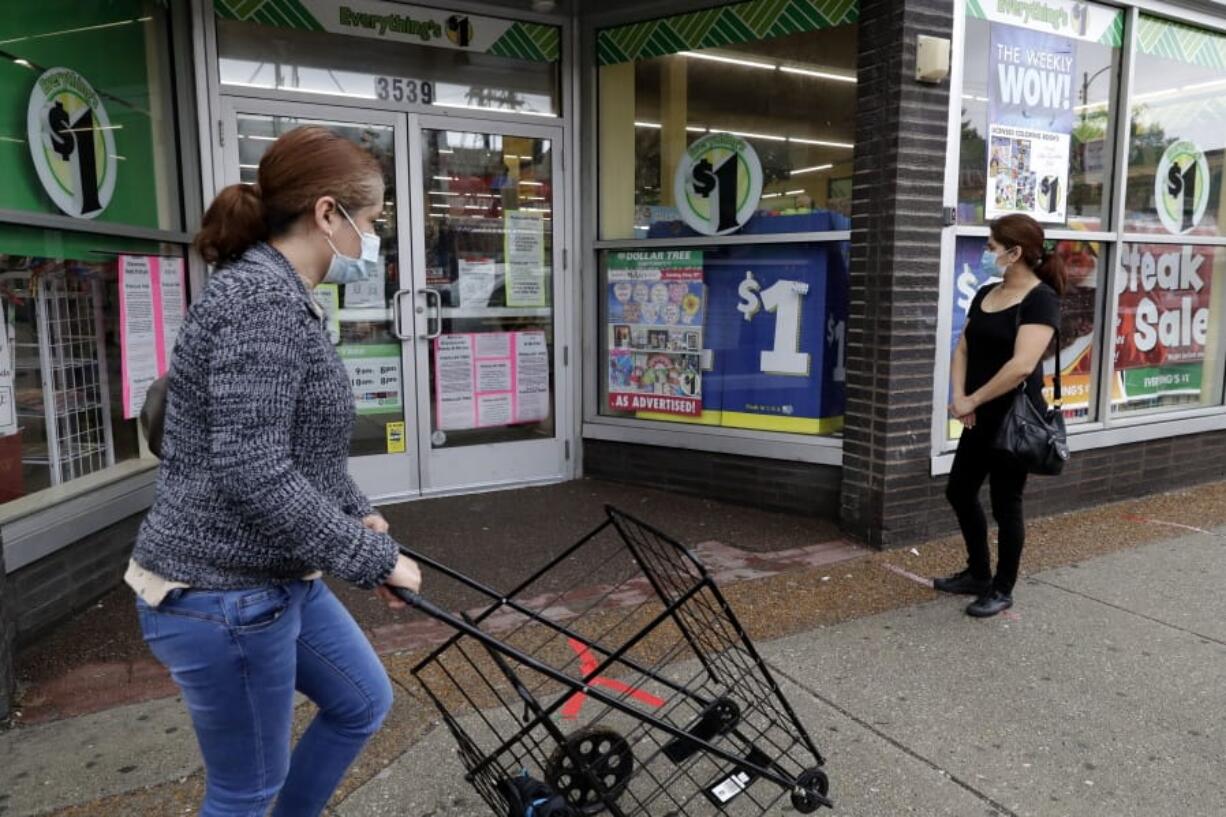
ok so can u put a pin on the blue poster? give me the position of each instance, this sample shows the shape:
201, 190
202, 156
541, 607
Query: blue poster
776, 337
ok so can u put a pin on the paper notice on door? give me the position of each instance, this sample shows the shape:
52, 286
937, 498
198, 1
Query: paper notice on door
8, 410
365, 293
455, 398
374, 377
493, 410
491, 379
531, 377
525, 258
138, 331
493, 375
174, 304
478, 276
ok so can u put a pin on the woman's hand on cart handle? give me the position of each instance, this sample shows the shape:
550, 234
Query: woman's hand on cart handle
405, 575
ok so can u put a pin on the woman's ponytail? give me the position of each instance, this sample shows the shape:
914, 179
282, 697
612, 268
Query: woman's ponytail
1050, 270
234, 221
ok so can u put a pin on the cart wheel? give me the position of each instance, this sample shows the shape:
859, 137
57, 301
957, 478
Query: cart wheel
605, 753
811, 789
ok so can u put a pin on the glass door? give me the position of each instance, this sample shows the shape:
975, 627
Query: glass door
487, 276
369, 322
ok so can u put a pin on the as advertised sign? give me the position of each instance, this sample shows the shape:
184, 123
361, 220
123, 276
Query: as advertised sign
655, 325
1181, 186
1030, 115
1164, 317
772, 364
72, 143
718, 184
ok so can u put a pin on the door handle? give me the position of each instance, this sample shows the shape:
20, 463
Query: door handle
397, 319
433, 294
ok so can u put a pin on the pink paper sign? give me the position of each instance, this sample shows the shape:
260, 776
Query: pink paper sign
152, 307
490, 379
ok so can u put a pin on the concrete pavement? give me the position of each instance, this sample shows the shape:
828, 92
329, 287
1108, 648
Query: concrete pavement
1099, 694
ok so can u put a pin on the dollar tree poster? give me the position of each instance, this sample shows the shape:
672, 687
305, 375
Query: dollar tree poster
655, 332
1030, 122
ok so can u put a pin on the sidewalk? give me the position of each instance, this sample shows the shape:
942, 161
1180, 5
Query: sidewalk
1097, 695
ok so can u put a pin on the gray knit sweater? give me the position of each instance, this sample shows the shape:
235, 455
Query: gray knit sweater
253, 487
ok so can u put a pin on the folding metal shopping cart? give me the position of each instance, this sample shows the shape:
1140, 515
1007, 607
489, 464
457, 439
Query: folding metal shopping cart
617, 678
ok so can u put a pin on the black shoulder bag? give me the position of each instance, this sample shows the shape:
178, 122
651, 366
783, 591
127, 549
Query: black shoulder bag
153, 415
1037, 440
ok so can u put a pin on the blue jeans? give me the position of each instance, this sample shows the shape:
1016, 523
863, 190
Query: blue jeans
238, 656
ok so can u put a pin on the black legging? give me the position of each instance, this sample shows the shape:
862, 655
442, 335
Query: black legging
975, 462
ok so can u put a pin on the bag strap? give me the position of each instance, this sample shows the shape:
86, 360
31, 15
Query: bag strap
1017, 325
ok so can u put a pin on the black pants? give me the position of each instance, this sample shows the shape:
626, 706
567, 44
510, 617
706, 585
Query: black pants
975, 462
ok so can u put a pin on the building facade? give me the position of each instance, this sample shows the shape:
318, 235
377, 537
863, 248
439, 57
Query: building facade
718, 248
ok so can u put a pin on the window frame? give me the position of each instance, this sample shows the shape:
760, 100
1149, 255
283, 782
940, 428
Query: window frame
813, 449
1105, 431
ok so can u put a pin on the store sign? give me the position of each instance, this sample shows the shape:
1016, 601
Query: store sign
72, 143
374, 377
399, 22
718, 184
1068, 18
1181, 187
1030, 116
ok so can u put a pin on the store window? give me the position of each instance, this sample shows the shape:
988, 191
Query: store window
87, 129
791, 97
1038, 111
1085, 264
1168, 351
396, 56
727, 330
87, 319
68, 363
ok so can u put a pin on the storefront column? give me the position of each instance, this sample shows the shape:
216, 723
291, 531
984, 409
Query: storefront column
674, 115
617, 151
888, 494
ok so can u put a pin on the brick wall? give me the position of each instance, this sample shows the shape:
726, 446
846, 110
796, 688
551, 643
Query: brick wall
897, 193
68, 580
796, 487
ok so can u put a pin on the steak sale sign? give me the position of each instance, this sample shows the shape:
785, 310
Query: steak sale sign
1162, 326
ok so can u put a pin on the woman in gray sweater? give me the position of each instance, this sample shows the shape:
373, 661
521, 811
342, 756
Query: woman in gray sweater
254, 501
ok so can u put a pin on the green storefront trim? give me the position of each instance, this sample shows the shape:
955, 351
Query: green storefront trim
1153, 382
740, 23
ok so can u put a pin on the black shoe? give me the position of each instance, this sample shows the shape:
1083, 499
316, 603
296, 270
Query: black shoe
964, 583
990, 604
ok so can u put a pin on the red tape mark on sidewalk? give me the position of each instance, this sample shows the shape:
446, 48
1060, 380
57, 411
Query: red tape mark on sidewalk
1145, 520
587, 665
907, 574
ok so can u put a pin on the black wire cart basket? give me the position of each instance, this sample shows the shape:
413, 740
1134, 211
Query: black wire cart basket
616, 679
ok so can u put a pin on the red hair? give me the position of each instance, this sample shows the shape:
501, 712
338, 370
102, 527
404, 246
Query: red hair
301, 167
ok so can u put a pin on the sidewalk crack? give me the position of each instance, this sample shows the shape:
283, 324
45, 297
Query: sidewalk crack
1001, 808
1122, 609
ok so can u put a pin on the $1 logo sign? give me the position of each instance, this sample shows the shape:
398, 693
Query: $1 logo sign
784, 300
718, 184
1181, 186
72, 143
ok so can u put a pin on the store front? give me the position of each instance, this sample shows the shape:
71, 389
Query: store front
722, 248
459, 356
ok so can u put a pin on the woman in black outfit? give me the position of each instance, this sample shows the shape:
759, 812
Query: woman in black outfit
1008, 329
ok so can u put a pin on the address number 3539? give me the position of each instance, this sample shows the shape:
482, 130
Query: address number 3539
397, 89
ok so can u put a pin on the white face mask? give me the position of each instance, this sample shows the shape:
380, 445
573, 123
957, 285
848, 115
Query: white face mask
345, 269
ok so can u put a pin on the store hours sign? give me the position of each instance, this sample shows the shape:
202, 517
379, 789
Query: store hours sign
72, 143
